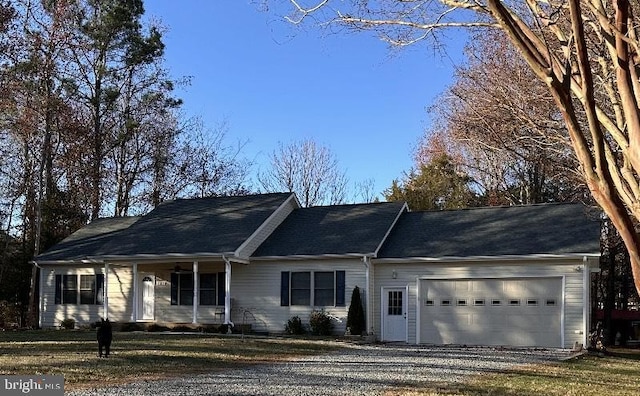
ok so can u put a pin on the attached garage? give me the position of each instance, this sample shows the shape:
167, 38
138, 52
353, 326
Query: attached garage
509, 276
508, 311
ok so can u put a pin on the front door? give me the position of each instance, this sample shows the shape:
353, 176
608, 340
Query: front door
147, 296
394, 314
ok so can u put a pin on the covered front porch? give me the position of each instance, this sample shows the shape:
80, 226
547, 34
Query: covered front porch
194, 291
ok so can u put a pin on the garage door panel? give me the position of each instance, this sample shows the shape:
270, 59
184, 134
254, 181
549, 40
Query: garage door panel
510, 311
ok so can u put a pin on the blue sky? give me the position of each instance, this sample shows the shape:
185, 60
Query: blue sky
274, 82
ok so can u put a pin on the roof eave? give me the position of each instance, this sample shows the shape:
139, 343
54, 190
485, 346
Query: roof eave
486, 258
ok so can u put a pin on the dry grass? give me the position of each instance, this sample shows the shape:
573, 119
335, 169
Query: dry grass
137, 356
617, 374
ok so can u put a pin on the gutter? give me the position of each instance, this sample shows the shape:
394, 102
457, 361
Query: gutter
572, 256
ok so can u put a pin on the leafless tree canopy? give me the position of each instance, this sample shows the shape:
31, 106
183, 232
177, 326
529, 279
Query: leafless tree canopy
309, 170
584, 51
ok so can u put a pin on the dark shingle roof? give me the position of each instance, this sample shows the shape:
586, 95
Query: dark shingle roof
339, 230
499, 231
184, 226
90, 240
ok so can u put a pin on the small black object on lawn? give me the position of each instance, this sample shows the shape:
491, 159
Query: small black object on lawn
105, 336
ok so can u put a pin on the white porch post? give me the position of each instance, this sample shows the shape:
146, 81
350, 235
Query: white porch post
227, 294
136, 294
105, 303
195, 292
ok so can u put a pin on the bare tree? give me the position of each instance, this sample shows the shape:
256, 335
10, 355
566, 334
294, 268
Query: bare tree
577, 48
309, 170
504, 128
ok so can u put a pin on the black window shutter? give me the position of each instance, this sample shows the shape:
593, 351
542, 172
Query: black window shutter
340, 275
221, 288
174, 288
284, 288
58, 298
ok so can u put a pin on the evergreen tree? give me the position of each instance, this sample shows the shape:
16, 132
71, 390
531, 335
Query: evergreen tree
436, 185
355, 317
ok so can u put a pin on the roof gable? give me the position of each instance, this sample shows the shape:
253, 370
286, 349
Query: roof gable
332, 230
545, 229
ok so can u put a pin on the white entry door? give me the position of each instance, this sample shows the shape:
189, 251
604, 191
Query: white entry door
394, 313
147, 296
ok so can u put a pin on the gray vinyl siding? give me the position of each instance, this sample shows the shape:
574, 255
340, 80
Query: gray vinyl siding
409, 274
256, 292
266, 229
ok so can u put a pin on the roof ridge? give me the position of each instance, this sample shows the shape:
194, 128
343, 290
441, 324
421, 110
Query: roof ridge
497, 207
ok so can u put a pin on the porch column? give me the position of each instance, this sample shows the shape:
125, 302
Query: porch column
195, 292
105, 303
227, 294
136, 294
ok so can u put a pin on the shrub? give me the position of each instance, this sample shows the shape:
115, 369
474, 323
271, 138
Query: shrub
130, 326
156, 327
320, 323
355, 317
68, 324
294, 326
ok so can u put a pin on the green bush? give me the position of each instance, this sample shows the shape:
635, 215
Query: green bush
320, 323
355, 317
68, 324
294, 326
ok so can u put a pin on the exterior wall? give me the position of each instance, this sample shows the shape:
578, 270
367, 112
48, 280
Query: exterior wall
119, 286
255, 291
408, 275
266, 229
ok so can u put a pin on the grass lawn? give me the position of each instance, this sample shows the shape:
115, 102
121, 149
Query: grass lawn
137, 356
615, 375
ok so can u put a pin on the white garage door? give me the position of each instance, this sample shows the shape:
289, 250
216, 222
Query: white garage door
512, 311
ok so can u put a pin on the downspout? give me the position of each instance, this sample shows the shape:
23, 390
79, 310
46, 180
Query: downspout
367, 273
227, 293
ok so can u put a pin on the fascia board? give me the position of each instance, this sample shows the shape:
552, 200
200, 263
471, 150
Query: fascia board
403, 209
486, 258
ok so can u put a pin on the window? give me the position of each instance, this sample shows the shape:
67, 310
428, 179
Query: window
87, 289
496, 302
182, 288
323, 288
461, 302
478, 301
445, 302
514, 302
395, 304
208, 294
300, 288
211, 288
551, 302
532, 301
429, 303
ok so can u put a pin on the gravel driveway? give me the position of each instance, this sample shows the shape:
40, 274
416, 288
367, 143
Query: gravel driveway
354, 370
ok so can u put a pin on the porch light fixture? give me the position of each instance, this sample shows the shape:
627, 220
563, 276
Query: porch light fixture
394, 274
177, 269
